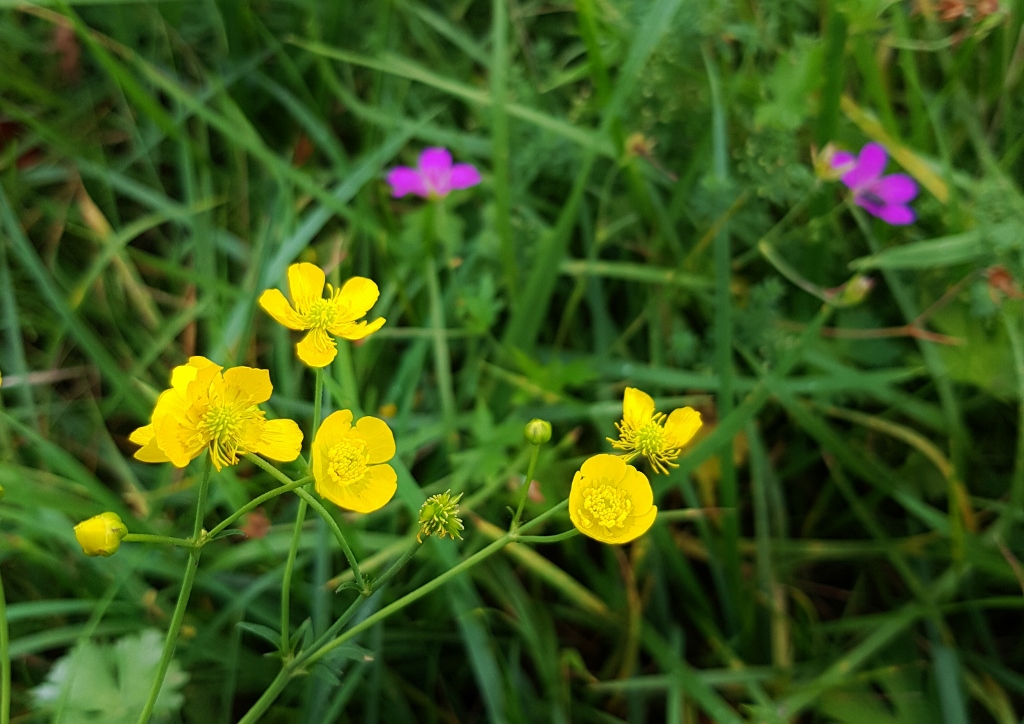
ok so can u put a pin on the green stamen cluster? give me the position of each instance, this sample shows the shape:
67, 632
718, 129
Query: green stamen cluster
440, 516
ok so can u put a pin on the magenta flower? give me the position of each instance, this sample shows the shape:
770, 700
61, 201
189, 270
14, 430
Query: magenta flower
434, 176
883, 196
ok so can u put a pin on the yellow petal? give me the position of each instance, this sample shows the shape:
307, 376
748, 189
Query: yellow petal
637, 407
681, 426
576, 501
317, 349
143, 435
250, 384
609, 469
359, 294
638, 487
371, 493
352, 331
182, 375
306, 285
380, 441
332, 430
281, 440
150, 452
637, 526
274, 304
181, 443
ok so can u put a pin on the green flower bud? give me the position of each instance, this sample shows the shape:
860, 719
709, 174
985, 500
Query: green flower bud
440, 516
101, 535
537, 431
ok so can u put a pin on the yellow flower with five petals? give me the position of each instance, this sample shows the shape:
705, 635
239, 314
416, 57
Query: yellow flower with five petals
207, 409
611, 501
642, 431
349, 462
334, 315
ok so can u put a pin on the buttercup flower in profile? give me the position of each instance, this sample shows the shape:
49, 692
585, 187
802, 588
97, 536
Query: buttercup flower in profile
611, 501
336, 315
206, 409
642, 431
101, 534
434, 176
349, 462
883, 196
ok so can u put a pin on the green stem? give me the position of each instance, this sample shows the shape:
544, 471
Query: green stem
318, 401
571, 533
318, 507
269, 696
186, 591
5, 661
289, 567
166, 539
524, 489
255, 503
336, 529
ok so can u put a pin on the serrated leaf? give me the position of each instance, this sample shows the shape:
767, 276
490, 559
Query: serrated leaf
110, 683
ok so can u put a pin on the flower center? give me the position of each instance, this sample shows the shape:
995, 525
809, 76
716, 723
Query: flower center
650, 439
606, 505
224, 427
348, 461
320, 314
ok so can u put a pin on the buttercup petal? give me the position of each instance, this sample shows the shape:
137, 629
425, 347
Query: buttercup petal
334, 428
358, 294
380, 441
353, 332
182, 375
897, 188
463, 176
280, 440
870, 165
275, 304
404, 180
251, 384
639, 489
637, 407
306, 285
142, 435
609, 469
371, 493
682, 425
639, 525
317, 349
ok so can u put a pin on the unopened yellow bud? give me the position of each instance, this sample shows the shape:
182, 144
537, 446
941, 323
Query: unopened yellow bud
537, 431
101, 535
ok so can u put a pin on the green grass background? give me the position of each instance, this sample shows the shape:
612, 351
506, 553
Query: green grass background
162, 163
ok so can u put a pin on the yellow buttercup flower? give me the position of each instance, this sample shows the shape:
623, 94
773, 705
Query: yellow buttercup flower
206, 409
336, 315
349, 462
643, 431
101, 534
611, 501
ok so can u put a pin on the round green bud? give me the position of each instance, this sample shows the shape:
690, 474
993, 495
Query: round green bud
537, 431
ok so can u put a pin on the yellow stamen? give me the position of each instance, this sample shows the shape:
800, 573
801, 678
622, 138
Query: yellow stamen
348, 461
605, 505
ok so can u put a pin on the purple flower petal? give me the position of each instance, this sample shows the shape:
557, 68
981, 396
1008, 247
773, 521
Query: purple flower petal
870, 203
895, 189
464, 175
897, 215
870, 165
405, 180
436, 166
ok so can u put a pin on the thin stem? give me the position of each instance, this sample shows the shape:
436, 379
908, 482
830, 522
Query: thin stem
256, 502
269, 697
186, 591
410, 597
289, 567
166, 539
571, 533
318, 401
309, 499
336, 529
330, 633
5, 661
524, 490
